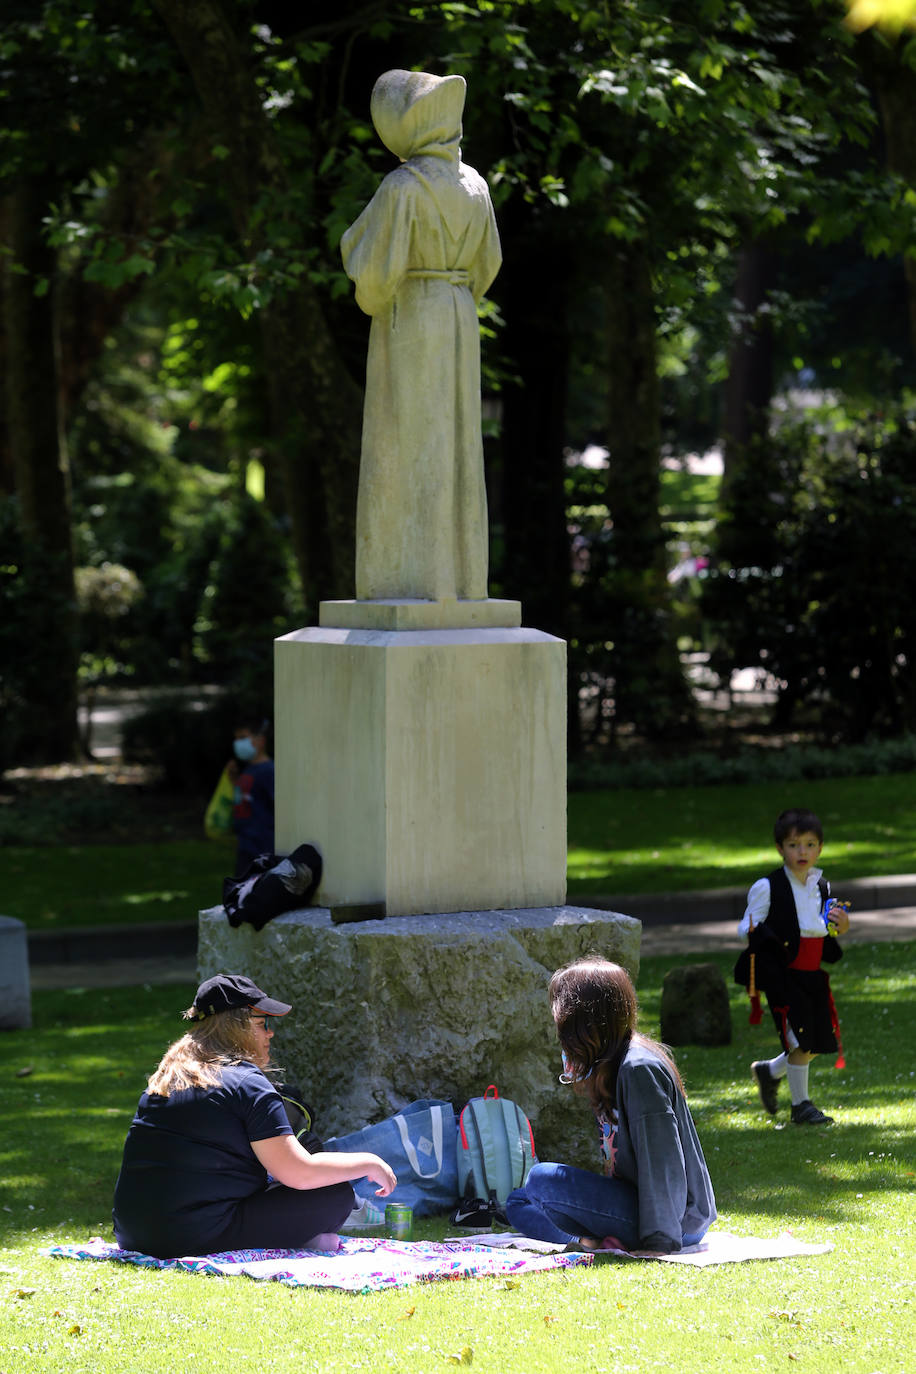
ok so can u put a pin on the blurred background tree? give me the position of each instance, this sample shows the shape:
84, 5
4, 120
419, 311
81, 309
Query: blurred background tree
707, 212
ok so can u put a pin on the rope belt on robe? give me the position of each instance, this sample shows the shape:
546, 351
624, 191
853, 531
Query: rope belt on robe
455, 276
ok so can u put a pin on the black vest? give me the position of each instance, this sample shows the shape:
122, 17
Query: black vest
776, 940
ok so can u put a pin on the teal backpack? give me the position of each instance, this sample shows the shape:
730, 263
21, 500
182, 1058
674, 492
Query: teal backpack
495, 1155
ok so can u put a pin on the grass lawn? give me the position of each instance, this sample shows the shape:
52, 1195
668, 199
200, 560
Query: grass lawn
53, 887
684, 839
622, 841
853, 1185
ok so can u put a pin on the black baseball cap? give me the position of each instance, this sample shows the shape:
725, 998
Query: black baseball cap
228, 990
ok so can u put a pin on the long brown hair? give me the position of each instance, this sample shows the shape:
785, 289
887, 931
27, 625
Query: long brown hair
199, 1057
594, 1007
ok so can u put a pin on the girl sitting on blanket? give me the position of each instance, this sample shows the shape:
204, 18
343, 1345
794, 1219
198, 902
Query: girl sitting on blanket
654, 1196
211, 1162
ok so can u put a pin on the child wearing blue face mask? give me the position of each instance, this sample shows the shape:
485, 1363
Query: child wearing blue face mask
654, 1195
252, 773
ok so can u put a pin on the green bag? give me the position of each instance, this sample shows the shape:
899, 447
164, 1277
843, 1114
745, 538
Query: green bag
218, 815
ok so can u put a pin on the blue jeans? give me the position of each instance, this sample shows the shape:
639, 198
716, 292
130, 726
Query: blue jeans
560, 1203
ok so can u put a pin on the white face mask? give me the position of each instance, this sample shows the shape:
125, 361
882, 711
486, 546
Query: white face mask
244, 749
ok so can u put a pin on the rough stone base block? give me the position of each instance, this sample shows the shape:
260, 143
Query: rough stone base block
423, 1006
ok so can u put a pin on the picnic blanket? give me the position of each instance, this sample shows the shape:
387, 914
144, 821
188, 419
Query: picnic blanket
717, 1247
367, 1263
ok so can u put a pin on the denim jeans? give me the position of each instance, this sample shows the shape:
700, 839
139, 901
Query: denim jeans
560, 1203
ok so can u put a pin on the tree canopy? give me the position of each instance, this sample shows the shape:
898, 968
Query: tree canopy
699, 202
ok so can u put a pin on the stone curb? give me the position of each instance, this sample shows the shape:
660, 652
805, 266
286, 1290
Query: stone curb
83, 944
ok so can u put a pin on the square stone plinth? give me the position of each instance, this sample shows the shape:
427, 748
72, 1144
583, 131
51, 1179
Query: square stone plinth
427, 766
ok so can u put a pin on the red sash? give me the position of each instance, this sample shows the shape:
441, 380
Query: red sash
810, 949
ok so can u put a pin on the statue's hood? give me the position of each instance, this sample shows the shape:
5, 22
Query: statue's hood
414, 112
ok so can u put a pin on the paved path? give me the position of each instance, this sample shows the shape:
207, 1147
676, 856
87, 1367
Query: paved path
685, 937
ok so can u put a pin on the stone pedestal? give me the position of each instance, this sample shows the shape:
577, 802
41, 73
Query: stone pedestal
423, 1006
428, 765
15, 987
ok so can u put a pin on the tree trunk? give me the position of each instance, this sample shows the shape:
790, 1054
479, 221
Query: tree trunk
749, 388
315, 405
7, 480
89, 312
650, 688
42, 482
533, 294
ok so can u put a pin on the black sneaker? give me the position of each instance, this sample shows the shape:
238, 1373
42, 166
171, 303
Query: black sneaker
477, 1214
767, 1085
806, 1114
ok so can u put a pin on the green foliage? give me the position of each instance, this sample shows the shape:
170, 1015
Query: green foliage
246, 603
190, 742
159, 455
704, 768
817, 564
105, 596
674, 127
54, 820
30, 651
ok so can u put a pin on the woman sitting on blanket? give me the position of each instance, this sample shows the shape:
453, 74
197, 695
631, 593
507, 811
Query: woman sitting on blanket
210, 1161
655, 1196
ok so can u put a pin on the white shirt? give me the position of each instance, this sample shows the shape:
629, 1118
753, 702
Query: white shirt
808, 903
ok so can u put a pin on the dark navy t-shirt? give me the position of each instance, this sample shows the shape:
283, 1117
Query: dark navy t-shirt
188, 1162
253, 811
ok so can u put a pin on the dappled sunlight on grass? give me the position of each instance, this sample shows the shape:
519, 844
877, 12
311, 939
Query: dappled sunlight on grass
850, 1185
684, 839
118, 883
808, 1179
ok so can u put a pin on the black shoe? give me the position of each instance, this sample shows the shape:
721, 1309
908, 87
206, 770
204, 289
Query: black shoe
806, 1114
767, 1085
479, 1214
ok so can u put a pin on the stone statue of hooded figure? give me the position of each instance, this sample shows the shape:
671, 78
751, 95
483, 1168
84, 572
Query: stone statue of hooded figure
422, 254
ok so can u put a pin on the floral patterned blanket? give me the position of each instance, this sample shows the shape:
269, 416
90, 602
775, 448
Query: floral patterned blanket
364, 1264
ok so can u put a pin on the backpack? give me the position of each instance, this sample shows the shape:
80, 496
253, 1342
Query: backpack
495, 1155
301, 1117
272, 884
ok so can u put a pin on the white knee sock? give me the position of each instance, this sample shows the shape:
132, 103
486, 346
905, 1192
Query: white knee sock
778, 1066
798, 1082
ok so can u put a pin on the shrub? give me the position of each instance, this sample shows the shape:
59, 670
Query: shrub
748, 765
815, 573
191, 741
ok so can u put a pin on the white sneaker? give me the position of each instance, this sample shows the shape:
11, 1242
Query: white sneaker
364, 1214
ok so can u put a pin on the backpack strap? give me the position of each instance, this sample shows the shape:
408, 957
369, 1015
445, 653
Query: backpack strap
518, 1137
480, 1123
